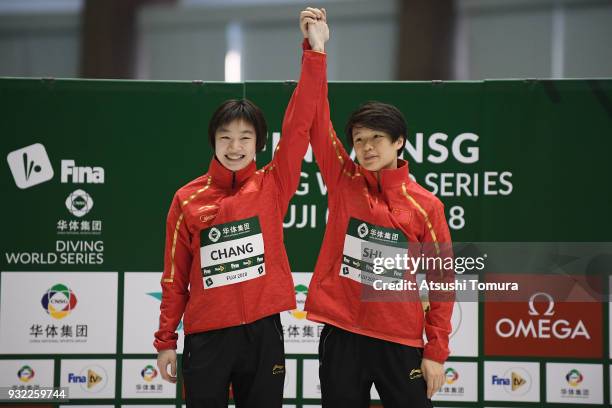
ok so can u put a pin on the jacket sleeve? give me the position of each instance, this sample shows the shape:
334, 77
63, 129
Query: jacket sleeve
286, 166
175, 278
331, 157
436, 242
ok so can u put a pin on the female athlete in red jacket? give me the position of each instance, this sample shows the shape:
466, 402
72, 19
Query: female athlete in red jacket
374, 208
225, 266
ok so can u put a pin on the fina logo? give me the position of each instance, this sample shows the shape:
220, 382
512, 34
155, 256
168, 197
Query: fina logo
515, 381
89, 379
541, 327
89, 175
30, 165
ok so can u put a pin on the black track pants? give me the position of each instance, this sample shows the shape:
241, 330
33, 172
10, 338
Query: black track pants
251, 357
350, 363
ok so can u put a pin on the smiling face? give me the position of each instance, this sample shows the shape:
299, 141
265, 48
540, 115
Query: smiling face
375, 149
235, 144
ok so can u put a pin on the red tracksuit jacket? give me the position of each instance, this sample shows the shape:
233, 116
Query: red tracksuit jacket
225, 261
393, 205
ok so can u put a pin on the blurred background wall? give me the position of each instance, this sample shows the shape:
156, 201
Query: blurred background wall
238, 40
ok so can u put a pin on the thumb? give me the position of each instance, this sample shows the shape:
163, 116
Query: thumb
173, 368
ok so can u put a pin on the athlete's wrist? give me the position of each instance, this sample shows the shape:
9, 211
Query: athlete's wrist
318, 46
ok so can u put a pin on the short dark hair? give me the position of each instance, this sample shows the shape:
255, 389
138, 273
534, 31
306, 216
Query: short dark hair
378, 116
243, 109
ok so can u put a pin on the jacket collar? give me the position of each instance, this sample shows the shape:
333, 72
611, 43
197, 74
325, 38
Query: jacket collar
230, 179
387, 178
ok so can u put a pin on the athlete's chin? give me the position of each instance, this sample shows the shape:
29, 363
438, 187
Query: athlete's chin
235, 165
371, 165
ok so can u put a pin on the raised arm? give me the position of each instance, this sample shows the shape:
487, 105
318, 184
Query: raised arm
331, 157
286, 165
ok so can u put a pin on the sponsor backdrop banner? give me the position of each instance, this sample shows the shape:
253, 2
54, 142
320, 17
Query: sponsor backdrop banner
90, 169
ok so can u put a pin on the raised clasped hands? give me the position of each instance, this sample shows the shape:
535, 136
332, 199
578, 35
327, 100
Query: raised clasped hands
313, 24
